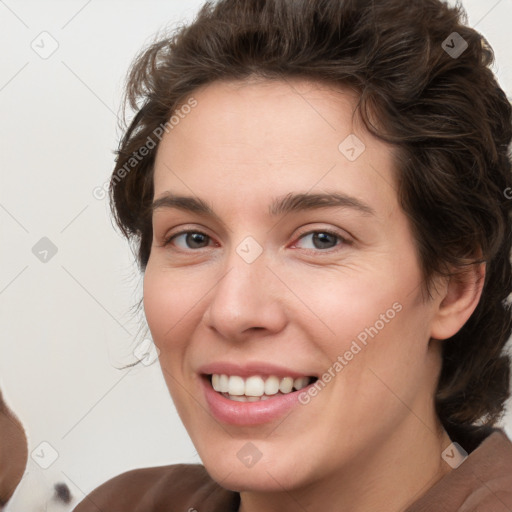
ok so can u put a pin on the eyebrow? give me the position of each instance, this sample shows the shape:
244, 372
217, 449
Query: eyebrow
297, 202
279, 206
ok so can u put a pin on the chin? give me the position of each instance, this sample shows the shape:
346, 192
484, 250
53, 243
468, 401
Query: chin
254, 480
266, 475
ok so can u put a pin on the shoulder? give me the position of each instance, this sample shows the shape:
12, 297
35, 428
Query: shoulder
481, 483
492, 472
157, 489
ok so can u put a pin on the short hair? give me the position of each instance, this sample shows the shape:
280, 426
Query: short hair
424, 76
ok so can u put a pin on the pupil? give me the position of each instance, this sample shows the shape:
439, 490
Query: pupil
195, 240
324, 240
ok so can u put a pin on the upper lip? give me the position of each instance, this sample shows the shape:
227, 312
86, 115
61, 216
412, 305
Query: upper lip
250, 368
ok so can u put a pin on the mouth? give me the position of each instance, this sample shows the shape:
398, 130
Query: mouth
253, 393
256, 388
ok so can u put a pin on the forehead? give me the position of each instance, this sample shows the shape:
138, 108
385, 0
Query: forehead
274, 135
251, 113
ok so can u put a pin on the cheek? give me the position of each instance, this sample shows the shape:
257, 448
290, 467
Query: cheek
372, 317
391, 366
171, 309
340, 306
168, 302
157, 305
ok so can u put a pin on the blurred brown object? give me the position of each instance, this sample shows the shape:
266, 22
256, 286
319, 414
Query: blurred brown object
13, 452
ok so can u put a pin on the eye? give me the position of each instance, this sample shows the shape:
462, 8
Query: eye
189, 240
323, 239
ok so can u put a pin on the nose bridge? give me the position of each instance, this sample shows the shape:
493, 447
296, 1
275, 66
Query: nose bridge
244, 297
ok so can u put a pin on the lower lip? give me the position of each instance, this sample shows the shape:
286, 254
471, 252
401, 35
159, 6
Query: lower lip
248, 413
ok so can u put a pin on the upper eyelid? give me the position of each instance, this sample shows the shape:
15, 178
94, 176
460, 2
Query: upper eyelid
344, 240
203, 229
186, 230
167, 238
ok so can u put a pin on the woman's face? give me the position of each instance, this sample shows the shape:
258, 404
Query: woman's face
298, 265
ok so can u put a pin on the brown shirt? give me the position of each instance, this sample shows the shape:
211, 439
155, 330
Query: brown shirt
482, 483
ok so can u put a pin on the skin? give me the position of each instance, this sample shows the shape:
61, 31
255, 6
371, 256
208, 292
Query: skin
370, 440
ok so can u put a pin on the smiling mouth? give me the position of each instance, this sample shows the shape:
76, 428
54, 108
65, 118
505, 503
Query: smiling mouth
256, 388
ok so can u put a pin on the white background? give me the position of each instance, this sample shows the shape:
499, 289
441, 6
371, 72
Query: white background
66, 324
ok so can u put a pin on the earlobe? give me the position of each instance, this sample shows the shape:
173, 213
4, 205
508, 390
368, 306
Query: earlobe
460, 298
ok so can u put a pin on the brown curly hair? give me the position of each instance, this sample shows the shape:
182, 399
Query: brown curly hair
446, 115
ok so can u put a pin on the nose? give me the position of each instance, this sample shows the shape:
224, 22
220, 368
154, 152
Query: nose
247, 299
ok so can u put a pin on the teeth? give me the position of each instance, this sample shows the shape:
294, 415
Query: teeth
286, 385
271, 385
300, 383
244, 398
239, 398
255, 387
236, 385
223, 384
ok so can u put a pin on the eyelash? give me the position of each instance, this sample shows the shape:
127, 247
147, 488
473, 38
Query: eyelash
342, 240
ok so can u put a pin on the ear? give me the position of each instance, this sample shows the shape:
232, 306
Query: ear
457, 302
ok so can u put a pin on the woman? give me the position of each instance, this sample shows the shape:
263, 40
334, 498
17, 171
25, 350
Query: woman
317, 191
